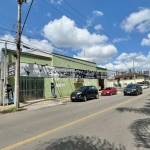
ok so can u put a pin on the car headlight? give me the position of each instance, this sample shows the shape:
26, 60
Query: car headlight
79, 93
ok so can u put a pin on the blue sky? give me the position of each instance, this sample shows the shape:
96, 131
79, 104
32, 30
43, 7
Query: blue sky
110, 32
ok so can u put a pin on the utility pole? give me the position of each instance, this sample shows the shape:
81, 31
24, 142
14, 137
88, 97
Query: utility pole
5, 76
17, 70
134, 70
134, 67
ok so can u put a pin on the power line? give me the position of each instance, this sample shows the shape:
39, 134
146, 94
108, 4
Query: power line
53, 7
27, 16
74, 9
90, 27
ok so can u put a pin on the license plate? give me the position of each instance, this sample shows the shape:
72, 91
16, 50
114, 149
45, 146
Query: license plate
128, 92
73, 97
104, 93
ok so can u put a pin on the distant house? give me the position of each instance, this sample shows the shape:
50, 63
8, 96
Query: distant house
122, 79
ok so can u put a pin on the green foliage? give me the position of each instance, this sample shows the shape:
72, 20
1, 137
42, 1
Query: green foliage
11, 109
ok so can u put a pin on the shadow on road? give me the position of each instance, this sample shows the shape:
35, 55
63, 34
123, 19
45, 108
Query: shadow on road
145, 110
79, 142
140, 128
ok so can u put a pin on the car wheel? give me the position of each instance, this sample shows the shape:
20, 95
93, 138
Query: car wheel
141, 92
110, 94
72, 100
97, 96
84, 98
137, 93
125, 94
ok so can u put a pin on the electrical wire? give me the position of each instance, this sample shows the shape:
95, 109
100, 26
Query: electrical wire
90, 27
27, 16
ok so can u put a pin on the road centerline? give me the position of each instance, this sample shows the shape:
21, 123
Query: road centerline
68, 124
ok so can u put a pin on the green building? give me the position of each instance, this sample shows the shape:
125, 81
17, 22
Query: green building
44, 75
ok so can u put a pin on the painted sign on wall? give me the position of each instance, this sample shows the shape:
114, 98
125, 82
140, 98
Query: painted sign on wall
11, 69
36, 70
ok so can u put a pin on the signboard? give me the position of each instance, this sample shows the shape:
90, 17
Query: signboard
37, 70
11, 69
90, 74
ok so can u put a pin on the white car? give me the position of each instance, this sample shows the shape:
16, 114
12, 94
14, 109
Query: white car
144, 86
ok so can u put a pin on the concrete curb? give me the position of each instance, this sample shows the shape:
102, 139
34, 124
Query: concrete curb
37, 103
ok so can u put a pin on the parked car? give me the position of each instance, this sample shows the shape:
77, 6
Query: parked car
146, 86
133, 89
143, 86
109, 91
84, 93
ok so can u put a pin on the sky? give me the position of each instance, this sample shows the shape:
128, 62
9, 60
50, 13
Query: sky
112, 33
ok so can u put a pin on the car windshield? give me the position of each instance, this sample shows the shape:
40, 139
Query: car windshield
81, 89
131, 86
108, 88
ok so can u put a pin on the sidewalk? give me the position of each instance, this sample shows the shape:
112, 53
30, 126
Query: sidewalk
36, 104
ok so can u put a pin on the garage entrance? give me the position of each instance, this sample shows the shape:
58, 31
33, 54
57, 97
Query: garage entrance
31, 88
101, 83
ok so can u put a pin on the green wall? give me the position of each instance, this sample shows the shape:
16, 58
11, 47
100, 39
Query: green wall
28, 58
64, 86
68, 62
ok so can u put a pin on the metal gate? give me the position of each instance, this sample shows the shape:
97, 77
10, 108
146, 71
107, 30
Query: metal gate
31, 88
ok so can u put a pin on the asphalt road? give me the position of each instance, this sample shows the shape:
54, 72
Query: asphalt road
109, 122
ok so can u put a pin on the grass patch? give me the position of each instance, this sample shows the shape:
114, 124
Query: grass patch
12, 109
8, 110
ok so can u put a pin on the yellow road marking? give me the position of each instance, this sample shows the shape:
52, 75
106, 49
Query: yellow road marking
67, 125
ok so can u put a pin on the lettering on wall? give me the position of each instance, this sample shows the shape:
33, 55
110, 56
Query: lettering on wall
36, 70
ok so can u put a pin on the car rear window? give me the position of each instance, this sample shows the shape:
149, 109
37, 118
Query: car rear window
131, 86
108, 88
81, 89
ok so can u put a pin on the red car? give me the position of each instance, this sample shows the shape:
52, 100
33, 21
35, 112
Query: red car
109, 91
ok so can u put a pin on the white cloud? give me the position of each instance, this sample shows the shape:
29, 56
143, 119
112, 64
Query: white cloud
98, 13
91, 20
98, 53
138, 20
98, 27
125, 56
48, 14
38, 44
63, 32
59, 2
32, 43
117, 40
56, 1
8, 37
146, 41
124, 62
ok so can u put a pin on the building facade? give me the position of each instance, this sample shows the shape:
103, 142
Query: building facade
123, 79
44, 75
